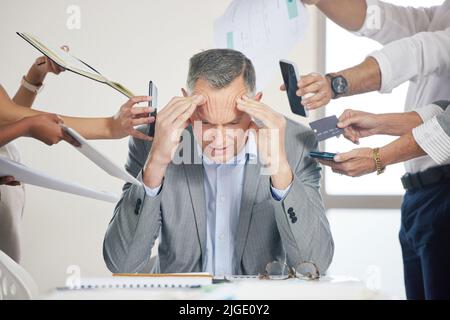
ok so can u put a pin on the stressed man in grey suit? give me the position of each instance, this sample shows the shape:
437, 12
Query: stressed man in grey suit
227, 183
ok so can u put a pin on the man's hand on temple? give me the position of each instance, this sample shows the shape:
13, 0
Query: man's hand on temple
270, 140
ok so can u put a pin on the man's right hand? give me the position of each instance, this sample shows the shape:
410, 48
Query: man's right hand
170, 123
318, 89
47, 128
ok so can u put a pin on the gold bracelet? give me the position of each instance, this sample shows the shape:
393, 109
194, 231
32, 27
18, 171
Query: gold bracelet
377, 159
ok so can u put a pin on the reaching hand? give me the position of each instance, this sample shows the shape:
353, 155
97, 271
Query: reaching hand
358, 124
317, 87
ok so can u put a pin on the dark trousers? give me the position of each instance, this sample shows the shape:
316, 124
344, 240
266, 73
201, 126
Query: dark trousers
425, 241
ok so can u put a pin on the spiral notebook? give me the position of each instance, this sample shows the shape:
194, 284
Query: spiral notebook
143, 281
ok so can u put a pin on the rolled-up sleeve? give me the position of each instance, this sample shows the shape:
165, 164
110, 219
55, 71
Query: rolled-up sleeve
428, 112
434, 137
385, 22
411, 58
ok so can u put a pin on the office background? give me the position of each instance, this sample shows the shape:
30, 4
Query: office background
136, 41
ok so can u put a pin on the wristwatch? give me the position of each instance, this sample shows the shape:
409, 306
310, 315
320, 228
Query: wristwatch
339, 85
31, 87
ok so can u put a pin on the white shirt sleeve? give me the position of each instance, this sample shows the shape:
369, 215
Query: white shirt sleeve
434, 140
414, 57
386, 22
152, 192
279, 194
428, 112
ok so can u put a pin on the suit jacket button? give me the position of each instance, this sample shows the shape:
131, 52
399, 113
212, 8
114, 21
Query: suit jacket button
294, 219
290, 210
138, 206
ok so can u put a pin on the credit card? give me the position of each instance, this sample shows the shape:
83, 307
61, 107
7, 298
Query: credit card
326, 128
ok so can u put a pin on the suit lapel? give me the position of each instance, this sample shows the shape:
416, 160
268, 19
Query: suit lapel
251, 181
194, 175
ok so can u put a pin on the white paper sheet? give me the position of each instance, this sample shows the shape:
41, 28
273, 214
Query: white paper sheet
34, 177
264, 30
100, 159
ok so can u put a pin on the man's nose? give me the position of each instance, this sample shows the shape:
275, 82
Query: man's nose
219, 136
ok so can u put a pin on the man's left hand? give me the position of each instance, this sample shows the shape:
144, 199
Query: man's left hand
270, 140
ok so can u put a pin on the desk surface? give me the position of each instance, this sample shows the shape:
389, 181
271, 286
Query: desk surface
327, 288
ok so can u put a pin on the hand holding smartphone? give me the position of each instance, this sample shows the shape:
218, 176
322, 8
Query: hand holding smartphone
152, 92
290, 75
322, 155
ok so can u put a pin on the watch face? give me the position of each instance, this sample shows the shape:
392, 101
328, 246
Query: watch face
340, 85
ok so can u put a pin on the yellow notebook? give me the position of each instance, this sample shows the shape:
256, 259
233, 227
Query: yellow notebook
70, 62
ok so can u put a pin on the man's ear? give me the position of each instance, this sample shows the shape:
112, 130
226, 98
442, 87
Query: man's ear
184, 92
259, 96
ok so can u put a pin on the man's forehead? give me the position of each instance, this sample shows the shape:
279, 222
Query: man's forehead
220, 104
218, 115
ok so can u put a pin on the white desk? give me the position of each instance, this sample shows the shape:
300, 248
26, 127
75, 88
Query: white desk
327, 288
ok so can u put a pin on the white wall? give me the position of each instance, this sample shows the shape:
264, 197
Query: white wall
367, 247
129, 41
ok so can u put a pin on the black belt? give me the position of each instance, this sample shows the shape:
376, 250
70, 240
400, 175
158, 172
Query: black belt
426, 178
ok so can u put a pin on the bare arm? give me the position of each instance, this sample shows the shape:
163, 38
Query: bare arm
12, 131
35, 76
114, 127
359, 162
362, 78
403, 149
349, 14
360, 124
398, 124
91, 128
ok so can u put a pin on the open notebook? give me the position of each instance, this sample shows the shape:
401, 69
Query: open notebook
69, 62
144, 281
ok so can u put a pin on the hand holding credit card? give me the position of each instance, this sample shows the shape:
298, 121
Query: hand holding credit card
326, 128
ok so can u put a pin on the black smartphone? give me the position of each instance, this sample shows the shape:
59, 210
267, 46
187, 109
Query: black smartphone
290, 78
152, 92
322, 155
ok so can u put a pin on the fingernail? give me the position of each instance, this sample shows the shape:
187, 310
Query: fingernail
337, 158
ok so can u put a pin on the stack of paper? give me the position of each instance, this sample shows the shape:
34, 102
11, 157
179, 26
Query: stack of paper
264, 30
27, 175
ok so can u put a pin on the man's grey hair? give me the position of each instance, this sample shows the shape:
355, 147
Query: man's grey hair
219, 67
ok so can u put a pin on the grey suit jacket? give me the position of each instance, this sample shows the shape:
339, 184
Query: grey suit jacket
267, 229
444, 118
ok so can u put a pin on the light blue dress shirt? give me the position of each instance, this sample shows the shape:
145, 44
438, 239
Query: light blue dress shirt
223, 185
